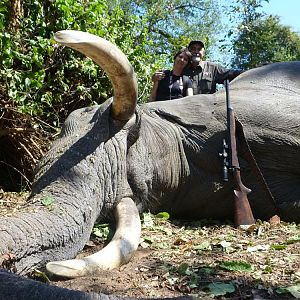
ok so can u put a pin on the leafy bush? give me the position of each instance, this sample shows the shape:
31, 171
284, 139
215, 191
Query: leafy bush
48, 81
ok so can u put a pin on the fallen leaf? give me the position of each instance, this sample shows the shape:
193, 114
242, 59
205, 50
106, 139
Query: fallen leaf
294, 290
203, 246
258, 248
47, 201
225, 244
238, 266
293, 240
163, 215
180, 241
221, 289
278, 246
275, 220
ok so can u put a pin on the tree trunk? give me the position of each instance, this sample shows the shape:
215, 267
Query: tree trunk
15, 11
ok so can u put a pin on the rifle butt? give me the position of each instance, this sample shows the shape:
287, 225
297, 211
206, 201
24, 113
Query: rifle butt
242, 210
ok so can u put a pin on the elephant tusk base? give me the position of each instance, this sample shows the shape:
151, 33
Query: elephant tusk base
118, 252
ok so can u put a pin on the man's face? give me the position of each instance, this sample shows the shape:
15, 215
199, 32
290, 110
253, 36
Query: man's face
197, 50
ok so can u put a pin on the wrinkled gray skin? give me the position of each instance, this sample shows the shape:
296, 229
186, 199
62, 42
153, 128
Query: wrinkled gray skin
165, 159
14, 287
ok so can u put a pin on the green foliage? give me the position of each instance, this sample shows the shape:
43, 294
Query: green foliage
293, 240
101, 231
172, 24
278, 246
163, 215
48, 81
261, 39
237, 266
47, 201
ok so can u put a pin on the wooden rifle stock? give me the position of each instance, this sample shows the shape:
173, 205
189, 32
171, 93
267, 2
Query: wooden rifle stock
242, 210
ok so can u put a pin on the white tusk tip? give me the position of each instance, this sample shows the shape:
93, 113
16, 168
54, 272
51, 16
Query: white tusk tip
69, 268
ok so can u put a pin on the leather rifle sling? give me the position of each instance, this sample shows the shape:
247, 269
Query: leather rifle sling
249, 157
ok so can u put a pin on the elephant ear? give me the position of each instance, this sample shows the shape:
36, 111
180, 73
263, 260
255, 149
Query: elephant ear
192, 111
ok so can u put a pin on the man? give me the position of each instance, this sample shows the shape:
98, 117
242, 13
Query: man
204, 74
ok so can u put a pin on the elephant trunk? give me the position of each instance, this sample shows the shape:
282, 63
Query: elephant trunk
32, 239
113, 62
52, 227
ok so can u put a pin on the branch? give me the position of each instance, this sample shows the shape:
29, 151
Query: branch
163, 33
188, 5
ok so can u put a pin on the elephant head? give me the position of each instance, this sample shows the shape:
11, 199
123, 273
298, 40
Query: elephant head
126, 158
65, 225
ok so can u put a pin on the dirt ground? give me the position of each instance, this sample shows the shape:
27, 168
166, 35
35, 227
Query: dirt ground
203, 259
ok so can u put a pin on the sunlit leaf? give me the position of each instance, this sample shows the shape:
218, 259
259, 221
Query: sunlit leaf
172, 280
238, 266
293, 240
47, 201
268, 269
163, 215
278, 246
227, 246
148, 239
203, 246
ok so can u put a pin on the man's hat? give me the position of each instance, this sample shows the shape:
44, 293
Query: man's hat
196, 42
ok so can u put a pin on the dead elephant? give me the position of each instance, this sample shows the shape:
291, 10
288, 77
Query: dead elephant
128, 158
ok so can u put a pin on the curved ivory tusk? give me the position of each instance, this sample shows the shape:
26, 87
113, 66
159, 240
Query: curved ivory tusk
112, 60
116, 253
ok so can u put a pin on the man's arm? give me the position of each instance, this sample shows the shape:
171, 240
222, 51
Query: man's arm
223, 74
234, 73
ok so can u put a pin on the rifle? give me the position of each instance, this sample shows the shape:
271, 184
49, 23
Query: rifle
242, 210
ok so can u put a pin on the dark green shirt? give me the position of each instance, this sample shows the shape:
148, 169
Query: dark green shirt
206, 76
